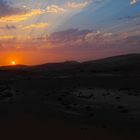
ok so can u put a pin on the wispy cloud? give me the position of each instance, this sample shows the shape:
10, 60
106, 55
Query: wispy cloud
9, 13
7, 37
21, 16
8, 27
8, 10
36, 25
66, 7
85, 38
75, 5
54, 9
132, 2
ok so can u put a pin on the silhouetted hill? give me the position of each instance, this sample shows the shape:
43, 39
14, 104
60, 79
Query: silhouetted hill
122, 64
129, 63
15, 67
121, 58
56, 66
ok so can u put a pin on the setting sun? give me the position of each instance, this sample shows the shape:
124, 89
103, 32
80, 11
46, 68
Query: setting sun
13, 62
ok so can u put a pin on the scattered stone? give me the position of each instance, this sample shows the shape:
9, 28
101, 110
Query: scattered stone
103, 126
124, 111
60, 99
120, 107
89, 108
118, 98
68, 107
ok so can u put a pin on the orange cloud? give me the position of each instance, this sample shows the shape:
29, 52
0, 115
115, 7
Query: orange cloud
21, 17
36, 25
7, 37
24, 15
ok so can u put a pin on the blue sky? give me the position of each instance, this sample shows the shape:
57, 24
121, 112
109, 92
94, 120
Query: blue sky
77, 27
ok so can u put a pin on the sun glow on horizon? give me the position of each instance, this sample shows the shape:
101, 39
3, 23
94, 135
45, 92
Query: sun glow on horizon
13, 62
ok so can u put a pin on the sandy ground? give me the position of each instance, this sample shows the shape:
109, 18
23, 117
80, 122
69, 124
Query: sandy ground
76, 107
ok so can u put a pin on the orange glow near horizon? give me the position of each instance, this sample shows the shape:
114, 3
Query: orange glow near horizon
11, 58
29, 57
13, 62
25, 58
36, 57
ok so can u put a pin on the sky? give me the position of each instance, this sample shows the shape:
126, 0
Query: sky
41, 31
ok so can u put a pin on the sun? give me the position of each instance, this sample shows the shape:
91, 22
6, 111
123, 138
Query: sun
13, 62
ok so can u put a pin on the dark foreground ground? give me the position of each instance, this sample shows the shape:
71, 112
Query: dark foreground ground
79, 107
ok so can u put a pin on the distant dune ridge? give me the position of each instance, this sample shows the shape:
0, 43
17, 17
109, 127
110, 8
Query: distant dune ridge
129, 62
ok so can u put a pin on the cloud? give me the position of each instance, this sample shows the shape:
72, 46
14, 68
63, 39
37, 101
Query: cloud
80, 38
99, 37
21, 16
98, 1
67, 35
7, 10
9, 13
7, 37
85, 35
65, 7
89, 38
13, 14
9, 27
54, 9
132, 2
129, 17
36, 25
86, 44
78, 44
74, 5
